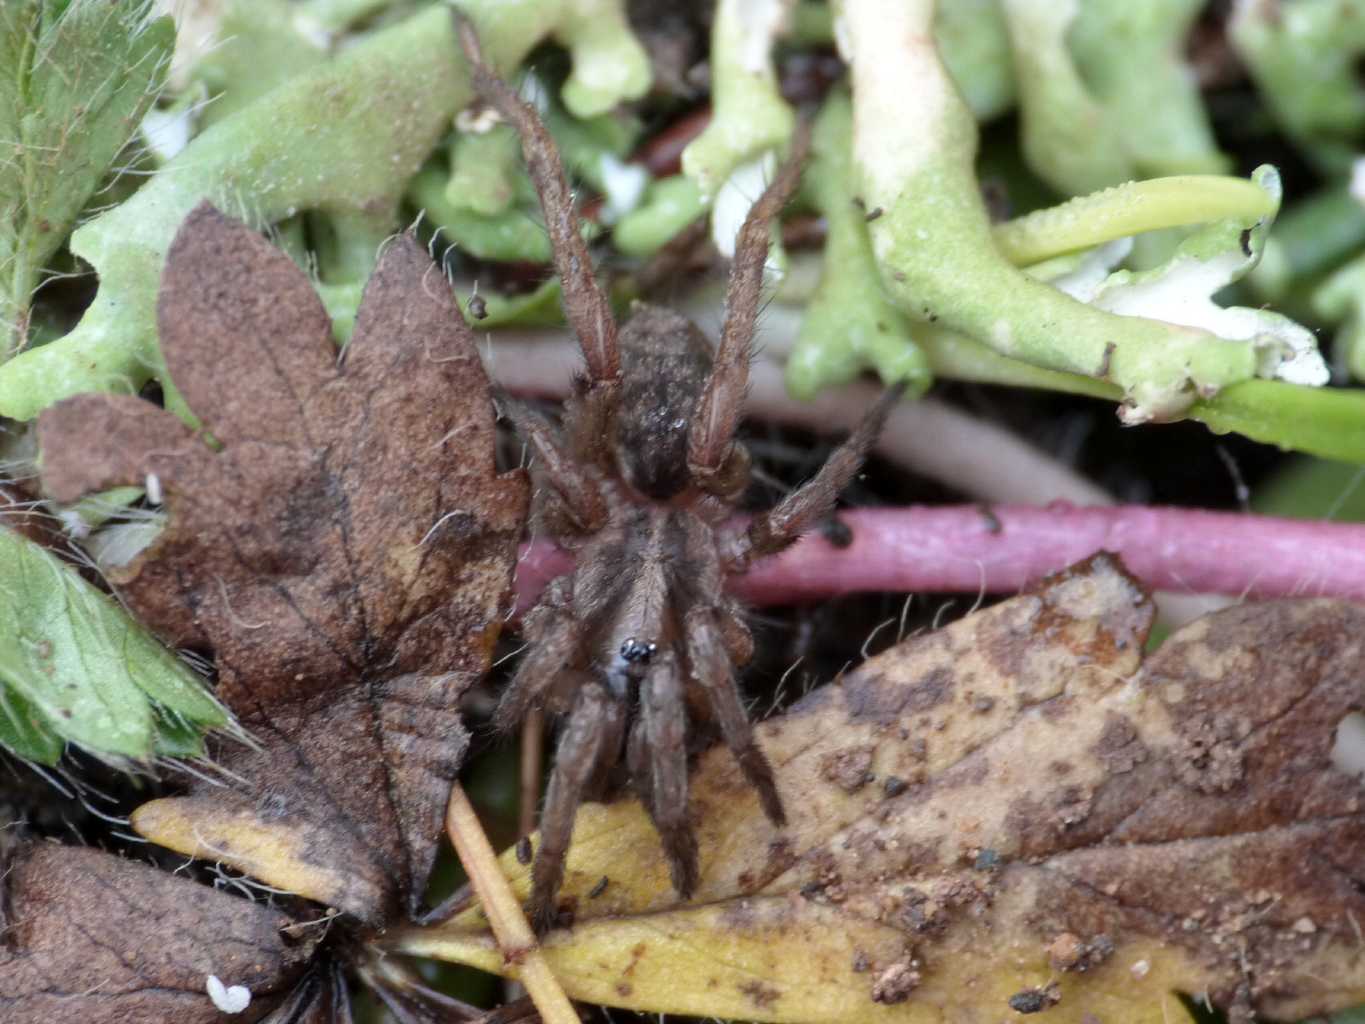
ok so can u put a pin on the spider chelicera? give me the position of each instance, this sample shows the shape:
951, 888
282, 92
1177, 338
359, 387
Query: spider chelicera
640, 642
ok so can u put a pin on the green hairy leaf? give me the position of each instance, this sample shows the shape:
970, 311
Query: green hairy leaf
75, 667
76, 76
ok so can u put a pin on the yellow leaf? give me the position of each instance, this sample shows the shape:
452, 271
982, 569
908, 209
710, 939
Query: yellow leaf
285, 852
1009, 814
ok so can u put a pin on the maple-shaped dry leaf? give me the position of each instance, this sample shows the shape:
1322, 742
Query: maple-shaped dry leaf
101, 940
338, 537
1008, 815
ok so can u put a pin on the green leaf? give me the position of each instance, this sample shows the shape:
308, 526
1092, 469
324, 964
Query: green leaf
25, 732
75, 79
75, 667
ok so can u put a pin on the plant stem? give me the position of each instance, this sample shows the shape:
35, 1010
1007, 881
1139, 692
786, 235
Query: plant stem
514, 935
984, 549
532, 766
934, 243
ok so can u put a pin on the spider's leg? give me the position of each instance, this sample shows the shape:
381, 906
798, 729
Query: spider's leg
577, 493
717, 464
637, 763
664, 721
585, 304
706, 650
771, 531
739, 642
556, 638
582, 743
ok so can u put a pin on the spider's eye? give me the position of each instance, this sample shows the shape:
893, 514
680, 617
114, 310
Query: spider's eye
633, 650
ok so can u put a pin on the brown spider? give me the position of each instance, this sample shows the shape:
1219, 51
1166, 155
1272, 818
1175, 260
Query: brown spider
640, 484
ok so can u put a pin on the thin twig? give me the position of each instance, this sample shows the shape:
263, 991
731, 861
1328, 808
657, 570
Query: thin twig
532, 758
515, 939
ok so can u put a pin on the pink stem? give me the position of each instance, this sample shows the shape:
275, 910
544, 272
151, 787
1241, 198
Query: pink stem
959, 548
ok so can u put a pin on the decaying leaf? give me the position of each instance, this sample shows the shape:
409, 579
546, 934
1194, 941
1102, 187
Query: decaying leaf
340, 539
69, 955
1010, 815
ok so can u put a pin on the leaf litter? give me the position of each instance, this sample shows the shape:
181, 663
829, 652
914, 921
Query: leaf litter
1015, 814
340, 539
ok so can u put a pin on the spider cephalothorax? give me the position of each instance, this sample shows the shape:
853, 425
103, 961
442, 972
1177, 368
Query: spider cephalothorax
640, 483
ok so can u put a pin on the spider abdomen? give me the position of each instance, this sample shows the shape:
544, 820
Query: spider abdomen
665, 360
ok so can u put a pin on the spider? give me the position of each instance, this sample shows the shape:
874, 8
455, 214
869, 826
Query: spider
641, 639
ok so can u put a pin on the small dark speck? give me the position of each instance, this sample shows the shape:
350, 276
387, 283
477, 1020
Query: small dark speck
894, 786
524, 850
598, 889
873, 214
837, 532
983, 704
1246, 241
860, 962
478, 309
993, 523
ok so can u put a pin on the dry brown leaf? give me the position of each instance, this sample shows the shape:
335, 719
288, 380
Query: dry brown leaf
346, 553
107, 941
340, 540
1010, 815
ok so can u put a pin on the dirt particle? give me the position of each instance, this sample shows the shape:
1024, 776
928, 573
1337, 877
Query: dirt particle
895, 984
1305, 926
1212, 755
1035, 1000
1118, 747
981, 705
598, 889
1140, 969
761, 995
524, 850
623, 989
894, 786
848, 769
861, 962
1064, 952
1068, 952
986, 860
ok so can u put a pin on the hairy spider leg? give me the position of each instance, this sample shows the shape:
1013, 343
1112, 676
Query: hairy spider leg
556, 637
584, 746
718, 465
580, 508
663, 717
713, 669
590, 422
769, 532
